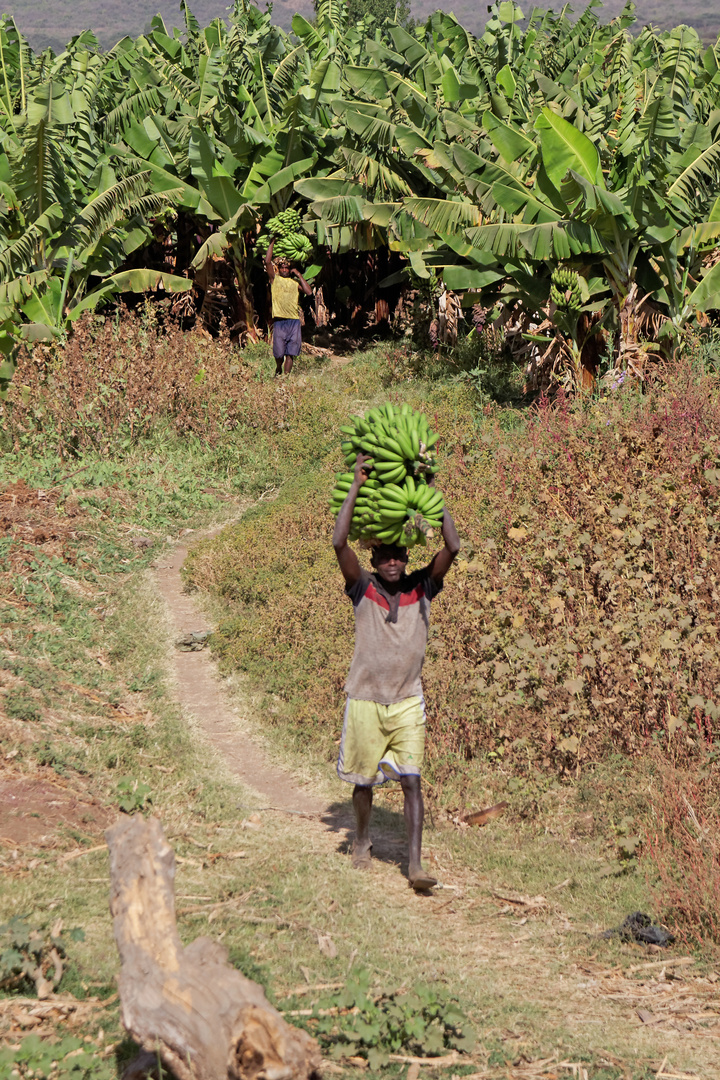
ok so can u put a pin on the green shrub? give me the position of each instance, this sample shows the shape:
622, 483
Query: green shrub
423, 1020
132, 795
31, 959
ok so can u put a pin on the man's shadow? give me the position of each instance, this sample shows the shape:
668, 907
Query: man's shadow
387, 830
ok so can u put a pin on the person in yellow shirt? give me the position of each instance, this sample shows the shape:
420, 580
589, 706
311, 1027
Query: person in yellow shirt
287, 339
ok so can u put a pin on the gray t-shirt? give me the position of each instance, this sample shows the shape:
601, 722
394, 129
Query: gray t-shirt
391, 632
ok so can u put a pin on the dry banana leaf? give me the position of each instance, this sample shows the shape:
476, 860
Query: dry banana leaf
481, 817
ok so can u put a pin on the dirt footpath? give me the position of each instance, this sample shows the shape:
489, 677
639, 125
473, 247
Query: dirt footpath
647, 1014
202, 697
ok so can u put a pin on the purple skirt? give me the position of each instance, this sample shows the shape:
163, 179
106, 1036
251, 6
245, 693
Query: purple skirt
287, 338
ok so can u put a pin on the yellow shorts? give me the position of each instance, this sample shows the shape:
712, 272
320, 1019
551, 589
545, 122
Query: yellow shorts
381, 742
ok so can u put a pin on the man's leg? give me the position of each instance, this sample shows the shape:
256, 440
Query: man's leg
293, 343
414, 817
362, 847
277, 347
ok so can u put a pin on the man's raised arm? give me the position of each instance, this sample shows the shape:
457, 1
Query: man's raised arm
346, 557
446, 556
302, 283
268, 260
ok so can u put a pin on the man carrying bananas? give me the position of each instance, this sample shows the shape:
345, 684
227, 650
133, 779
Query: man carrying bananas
287, 339
384, 729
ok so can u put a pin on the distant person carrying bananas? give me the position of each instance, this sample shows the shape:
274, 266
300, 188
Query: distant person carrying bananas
287, 339
384, 730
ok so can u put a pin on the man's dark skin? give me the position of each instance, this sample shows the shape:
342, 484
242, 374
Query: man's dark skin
284, 269
389, 562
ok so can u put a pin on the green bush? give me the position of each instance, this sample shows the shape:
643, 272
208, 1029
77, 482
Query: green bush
423, 1020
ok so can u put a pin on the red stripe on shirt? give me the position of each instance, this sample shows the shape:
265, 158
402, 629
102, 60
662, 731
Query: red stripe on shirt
412, 597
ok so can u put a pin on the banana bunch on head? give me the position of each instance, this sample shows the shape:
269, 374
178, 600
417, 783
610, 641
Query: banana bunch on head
565, 290
290, 241
397, 504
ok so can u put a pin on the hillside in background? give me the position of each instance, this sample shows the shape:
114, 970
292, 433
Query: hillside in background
52, 22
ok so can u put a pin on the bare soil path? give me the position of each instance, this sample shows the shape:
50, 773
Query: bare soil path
531, 979
201, 694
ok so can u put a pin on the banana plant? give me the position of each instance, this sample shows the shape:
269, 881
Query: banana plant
542, 147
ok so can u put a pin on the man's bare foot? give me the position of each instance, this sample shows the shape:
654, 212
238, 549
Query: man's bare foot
362, 854
420, 879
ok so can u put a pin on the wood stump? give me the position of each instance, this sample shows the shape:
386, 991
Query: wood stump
188, 1006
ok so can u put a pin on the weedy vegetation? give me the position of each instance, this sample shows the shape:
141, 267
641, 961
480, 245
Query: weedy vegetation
561, 178
87, 718
423, 1021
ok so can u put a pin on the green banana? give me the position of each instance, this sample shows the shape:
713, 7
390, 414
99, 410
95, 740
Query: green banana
404, 442
387, 507
399, 474
388, 517
392, 489
433, 506
388, 466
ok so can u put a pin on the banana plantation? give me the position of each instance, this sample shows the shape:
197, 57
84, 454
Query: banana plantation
557, 175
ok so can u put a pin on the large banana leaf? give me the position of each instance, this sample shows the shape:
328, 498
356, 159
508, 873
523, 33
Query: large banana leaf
461, 278
215, 183
552, 241
280, 180
706, 296
341, 210
443, 215
510, 143
563, 148
130, 281
325, 187
703, 171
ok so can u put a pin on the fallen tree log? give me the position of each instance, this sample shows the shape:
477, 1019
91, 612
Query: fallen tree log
188, 1006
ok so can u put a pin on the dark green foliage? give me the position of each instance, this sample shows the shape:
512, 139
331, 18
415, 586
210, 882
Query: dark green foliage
42, 1059
132, 795
422, 1021
488, 163
31, 959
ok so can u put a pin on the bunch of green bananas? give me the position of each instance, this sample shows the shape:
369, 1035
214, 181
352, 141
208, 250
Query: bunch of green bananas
290, 241
565, 289
396, 505
297, 248
285, 223
397, 438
